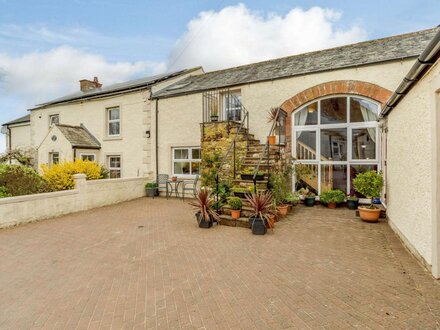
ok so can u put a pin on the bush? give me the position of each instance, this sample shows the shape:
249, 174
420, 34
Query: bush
17, 180
235, 203
60, 176
332, 196
369, 184
151, 185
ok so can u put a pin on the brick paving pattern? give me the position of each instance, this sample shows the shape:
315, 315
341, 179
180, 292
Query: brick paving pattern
144, 264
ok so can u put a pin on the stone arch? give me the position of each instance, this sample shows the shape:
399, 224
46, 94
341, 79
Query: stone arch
353, 87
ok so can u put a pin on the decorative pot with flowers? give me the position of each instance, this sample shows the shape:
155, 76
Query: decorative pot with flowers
203, 204
260, 203
332, 198
235, 204
370, 185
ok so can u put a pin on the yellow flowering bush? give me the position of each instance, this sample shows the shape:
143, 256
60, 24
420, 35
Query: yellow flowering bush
60, 176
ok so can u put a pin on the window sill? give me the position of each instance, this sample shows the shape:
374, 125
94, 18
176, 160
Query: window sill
112, 138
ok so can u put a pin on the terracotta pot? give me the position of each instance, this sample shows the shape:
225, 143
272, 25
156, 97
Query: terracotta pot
174, 178
271, 220
282, 210
235, 214
369, 215
331, 205
272, 139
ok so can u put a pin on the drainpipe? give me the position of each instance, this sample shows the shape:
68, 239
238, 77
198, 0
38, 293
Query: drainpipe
74, 153
157, 138
423, 63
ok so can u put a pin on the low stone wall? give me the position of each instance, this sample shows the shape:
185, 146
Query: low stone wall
86, 195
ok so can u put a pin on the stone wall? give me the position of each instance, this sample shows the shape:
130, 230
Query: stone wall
86, 195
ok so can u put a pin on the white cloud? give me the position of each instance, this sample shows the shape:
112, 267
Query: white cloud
40, 76
236, 35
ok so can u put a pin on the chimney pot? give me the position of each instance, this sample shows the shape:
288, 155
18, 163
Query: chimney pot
87, 85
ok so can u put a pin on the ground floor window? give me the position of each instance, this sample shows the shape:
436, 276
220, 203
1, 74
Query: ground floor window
186, 160
334, 139
54, 158
88, 157
114, 166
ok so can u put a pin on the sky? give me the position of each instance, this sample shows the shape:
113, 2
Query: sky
47, 46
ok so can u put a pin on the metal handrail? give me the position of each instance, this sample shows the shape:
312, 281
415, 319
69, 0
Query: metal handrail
266, 147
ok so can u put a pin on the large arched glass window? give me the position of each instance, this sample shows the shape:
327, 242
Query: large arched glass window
334, 139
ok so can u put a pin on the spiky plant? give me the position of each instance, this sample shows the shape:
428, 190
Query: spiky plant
204, 204
272, 115
261, 202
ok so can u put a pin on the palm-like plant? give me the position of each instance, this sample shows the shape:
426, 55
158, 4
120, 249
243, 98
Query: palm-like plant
261, 202
204, 205
272, 115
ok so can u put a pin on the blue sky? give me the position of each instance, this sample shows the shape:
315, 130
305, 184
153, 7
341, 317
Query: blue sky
47, 45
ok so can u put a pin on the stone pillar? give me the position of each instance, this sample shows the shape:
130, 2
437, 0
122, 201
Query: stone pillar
80, 181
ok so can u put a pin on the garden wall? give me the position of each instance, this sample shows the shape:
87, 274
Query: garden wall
86, 195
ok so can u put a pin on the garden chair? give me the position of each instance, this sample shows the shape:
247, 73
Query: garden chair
162, 182
190, 186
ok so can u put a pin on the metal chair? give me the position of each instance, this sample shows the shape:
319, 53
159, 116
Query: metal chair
162, 182
190, 186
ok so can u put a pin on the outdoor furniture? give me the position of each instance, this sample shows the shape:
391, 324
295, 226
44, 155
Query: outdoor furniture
190, 186
174, 186
163, 182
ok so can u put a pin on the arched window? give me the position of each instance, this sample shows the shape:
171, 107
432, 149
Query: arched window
334, 139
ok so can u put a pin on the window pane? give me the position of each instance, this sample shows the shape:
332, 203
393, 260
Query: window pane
354, 171
334, 144
306, 176
114, 174
115, 162
55, 119
334, 110
113, 114
113, 128
306, 145
180, 153
364, 143
195, 166
362, 110
334, 177
307, 115
181, 168
196, 154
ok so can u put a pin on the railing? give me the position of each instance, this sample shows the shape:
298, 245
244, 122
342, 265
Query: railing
276, 121
223, 106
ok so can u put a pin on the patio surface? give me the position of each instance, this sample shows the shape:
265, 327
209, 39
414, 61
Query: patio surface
145, 264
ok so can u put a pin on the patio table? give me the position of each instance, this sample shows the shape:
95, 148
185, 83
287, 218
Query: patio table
174, 186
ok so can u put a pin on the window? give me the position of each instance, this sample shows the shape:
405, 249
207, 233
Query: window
114, 166
54, 119
88, 157
113, 121
233, 106
186, 161
54, 158
334, 139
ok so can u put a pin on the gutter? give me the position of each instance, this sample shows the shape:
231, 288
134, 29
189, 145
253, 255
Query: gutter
428, 57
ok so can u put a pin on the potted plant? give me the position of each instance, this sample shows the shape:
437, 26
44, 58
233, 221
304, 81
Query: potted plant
203, 204
272, 117
248, 174
235, 204
293, 198
332, 197
260, 203
352, 202
370, 185
151, 189
309, 197
214, 111
242, 191
280, 182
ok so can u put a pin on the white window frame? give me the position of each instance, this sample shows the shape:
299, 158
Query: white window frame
51, 117
51, 154
190, 160
237, 94
349, 126
114, 168
109, 121
88, 155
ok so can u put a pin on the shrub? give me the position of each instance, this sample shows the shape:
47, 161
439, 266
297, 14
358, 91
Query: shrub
369, 184
17, 180
151, 185
235, 203
3, 192
293, 197
332, 196
60, 176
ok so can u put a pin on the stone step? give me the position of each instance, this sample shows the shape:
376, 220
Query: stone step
227, 220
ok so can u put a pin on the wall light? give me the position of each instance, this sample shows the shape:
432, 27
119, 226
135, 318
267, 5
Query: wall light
148, 134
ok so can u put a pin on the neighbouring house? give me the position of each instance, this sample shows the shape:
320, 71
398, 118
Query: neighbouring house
108, 124
18, 133
336, 121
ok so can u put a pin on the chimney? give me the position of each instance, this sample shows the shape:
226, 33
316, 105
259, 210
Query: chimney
88, 85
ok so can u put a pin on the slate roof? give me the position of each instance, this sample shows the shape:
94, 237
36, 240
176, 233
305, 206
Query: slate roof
24, 119
120, 87
79, 136
375, 51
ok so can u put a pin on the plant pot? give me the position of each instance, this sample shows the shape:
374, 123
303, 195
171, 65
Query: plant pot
239, 194
369, 215
214, 118
331, 205
235, 214
202, 223
156, 192
272, 139
309, 201
352, 205
376, 200
271, 221
250, 177
151, 192
258, 226
174, 178
282, 210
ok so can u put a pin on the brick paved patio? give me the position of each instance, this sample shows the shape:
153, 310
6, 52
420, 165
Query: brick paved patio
145, 264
